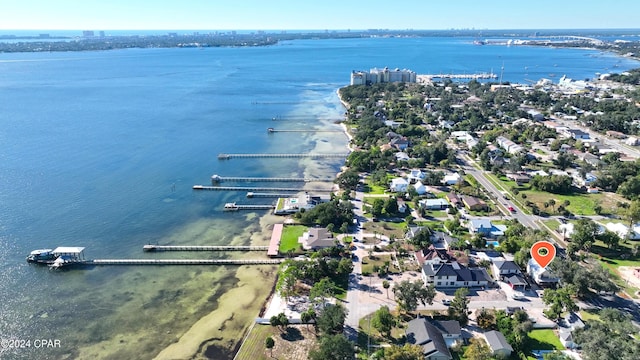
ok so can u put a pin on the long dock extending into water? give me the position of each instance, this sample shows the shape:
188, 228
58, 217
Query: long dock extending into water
235, 207
218, 178
182, 262
254, 188
251, 194
204, 248
307, 155
272, 130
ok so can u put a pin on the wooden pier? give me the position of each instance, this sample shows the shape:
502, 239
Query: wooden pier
235, 207
307, 155
254, 188
150, 248
272, 130
218, 179
183, 262
251, 194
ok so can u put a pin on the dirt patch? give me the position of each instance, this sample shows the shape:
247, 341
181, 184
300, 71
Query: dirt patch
627, 274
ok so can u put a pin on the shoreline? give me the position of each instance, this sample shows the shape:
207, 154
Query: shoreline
204, 336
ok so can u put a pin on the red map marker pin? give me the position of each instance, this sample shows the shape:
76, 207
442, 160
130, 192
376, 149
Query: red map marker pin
543, 252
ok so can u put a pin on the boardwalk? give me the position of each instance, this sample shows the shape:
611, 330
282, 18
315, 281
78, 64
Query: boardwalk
203, 248
217, 179
307, 155
183, 262
274, 244
254, 188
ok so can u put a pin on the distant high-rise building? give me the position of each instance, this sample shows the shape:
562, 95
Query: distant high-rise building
382, 76
88, 33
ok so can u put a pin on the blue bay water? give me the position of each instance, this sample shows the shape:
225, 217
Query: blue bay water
100, 149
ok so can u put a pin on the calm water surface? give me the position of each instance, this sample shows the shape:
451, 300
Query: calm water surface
100, 149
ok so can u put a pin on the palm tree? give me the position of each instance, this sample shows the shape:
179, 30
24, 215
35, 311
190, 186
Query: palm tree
386, 285
552, 202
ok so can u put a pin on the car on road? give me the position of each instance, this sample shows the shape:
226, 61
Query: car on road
446, 301
511, 209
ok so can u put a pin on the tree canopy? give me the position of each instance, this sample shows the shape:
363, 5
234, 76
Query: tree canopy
409, 293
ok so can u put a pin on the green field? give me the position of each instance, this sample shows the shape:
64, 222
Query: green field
290, 235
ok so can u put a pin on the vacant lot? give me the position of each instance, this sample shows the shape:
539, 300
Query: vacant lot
294, 344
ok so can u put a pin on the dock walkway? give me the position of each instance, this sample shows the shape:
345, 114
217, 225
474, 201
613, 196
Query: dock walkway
274, 244
253, 188
217, 179
183, 262
307, 155
203, 248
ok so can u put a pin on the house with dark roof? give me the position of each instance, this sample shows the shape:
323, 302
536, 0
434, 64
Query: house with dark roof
473, 203
498, 344
401, 143
442, 240
431, 255
433, 337
454, 275
502, 268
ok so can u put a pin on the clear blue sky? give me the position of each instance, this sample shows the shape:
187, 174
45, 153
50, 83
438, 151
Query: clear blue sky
316, 14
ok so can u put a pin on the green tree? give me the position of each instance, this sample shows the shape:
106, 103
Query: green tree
321, 291
459, 307
280, 321
386, 285
477, 350
269, 343
331, 319
633, 213
405, 352
383, 321
556, 355
333, 347
583, 236
485, 319
559, 301
307, 316
348, 179
609, 338
287, 278
408, 294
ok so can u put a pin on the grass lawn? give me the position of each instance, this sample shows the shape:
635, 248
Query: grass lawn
365, 330
543, 339
374, 189
379, 260
552, 224
437, 213
390, 229
289, 239
293, 344
589, 315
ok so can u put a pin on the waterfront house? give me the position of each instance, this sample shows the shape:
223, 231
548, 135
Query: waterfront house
317, 238
399, 185
498, 344
434, 337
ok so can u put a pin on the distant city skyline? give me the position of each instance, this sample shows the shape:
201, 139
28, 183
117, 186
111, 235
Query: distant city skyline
316, 15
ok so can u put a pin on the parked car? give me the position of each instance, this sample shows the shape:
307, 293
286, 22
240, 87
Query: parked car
446, 301
517, 295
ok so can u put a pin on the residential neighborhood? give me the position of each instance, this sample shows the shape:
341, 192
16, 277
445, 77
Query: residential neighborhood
446, 205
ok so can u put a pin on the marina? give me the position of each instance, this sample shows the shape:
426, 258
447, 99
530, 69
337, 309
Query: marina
307, 155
